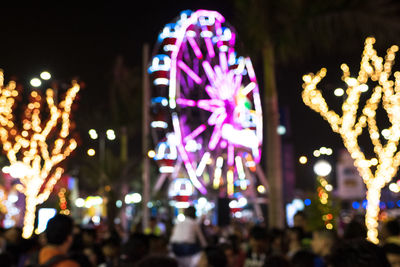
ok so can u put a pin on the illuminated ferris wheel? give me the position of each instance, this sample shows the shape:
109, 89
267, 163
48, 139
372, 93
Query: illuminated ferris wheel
206, 106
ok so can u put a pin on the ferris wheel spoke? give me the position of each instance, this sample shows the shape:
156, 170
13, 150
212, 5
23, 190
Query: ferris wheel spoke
223, 61
209, 72
210, 47
196, 132
186, 102
189, 72
195, 47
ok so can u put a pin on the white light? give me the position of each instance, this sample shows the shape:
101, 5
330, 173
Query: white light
44, 215
12, 198
118, 203
136, 197
164, 102
363, 88
328, 187
316, 153
298, 204
93, 134
35, 82
233, 204
20, 170
338, 92
45, 75
322, 150
96, 219
133, 198
386, 133
322, 168
150, 205
79, 202
329, 151
110, 134
394, 188
159, 124
182, 205
281, 130
180, 217
166, 169
242, 202
238, 214
202, 201
351, 81
6, 169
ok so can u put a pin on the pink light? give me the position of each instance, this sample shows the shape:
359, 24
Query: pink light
216, 116
211, 92
210, 104
231, 154
223, 61
250, 70
189, 72
223, 144
186, 102
209, 71
195, 47
215, 137
195, 133
210, 47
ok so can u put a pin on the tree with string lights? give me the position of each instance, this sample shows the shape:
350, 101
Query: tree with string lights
355, 119
36, 150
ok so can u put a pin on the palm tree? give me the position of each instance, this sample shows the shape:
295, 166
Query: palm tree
287, 30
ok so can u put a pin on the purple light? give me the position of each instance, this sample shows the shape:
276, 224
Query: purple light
210, 47
195, 47
189, 72
209, 72
195, 133
186, 102
223, 61
231, 154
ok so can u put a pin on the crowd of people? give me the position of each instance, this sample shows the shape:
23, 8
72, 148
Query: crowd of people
191, 242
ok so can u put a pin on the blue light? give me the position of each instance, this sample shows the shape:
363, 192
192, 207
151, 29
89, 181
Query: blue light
390, 204
355, 205
398, 203
382, 205
307, 202
364, 203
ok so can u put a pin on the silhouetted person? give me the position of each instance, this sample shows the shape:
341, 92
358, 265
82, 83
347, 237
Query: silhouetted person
59, 239
390, 232
357, 253
322, 244
258, 247
392, 252
355, 230
213, 256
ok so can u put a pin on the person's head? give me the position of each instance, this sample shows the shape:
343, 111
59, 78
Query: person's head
229, 253
300, 220
295, 234
323, 241
357, 253
213, 256
258, 239
88, 236
303, 258
59, 231
190, 212
391, 228
392, 252
355, 230
110, 247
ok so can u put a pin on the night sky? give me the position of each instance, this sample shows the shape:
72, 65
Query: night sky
84, 42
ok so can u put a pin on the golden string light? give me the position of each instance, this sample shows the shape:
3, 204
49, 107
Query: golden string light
376, 172
29, 148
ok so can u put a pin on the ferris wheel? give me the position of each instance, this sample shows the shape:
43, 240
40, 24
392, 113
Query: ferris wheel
206, 106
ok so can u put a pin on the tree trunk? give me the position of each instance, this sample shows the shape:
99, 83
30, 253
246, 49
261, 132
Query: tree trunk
273, 141
29, 217
371, 216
